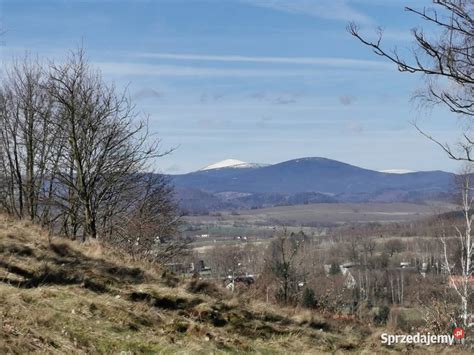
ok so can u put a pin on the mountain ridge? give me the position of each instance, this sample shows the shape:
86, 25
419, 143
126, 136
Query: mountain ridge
331, 180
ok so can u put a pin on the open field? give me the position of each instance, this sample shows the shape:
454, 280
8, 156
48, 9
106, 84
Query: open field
313, 219
326, 214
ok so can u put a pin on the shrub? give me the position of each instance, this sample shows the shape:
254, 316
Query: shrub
308, 299
334, 270
170, 279
381, 316
204, 287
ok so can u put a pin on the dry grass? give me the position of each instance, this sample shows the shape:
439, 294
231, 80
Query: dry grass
58, 296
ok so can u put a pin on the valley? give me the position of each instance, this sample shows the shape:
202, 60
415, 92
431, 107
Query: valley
258, 225
237, 177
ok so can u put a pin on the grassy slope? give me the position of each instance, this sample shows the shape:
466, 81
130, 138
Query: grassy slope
61, 297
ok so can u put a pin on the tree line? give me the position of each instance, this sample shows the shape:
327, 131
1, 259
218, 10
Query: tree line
76, 157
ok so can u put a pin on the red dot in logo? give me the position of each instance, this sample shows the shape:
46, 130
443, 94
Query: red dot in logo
458, 333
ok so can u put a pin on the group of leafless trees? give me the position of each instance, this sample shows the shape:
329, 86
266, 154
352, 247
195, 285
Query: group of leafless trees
75, 157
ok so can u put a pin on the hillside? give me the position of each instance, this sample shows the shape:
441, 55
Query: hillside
63, 297
57, 296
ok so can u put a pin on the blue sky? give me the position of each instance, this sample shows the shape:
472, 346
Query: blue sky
256, 80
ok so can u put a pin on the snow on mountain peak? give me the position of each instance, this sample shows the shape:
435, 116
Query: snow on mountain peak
397, 171
229, 163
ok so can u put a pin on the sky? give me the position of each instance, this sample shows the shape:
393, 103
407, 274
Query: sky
261, 81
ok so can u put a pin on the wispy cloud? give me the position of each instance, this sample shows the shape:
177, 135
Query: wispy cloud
258, 95
140, 69
319, 61
353, 128
389, 3
147, 93
213, 123
346, 100
338, 10
211, 98
285, 100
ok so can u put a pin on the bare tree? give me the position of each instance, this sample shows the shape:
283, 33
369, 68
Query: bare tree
446, 64
283, 264
27, 165
75, 156
226, 260
107, 143
461, 280
393, 246
146, 224
353, 249
368, 246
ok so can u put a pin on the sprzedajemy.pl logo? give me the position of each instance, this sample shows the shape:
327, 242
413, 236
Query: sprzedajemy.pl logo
420, 338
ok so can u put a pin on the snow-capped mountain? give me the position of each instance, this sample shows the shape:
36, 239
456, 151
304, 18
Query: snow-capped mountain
231, 163
397, 171
233, 183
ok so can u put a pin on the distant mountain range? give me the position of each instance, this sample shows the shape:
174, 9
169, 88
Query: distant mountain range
234, 184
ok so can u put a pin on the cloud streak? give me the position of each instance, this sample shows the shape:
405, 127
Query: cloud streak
338, 10
336, 62
140, 69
